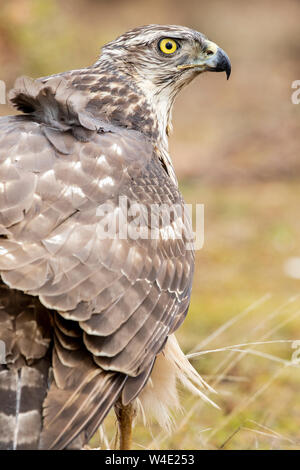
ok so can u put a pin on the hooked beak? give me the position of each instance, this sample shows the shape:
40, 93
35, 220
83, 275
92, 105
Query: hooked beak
213, 59
219, 63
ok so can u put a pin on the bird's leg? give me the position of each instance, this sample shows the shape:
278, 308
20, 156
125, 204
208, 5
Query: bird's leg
125, 415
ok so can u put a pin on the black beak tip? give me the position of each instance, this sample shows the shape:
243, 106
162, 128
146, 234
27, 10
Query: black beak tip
223, 63
228, 71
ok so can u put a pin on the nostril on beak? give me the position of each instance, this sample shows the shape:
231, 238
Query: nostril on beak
209, 52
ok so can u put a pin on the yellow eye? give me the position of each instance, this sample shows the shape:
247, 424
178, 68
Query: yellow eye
168, 46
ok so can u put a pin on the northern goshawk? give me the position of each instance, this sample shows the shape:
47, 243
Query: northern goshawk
87, 319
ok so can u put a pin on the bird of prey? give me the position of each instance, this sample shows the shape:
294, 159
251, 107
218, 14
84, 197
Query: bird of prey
87, 318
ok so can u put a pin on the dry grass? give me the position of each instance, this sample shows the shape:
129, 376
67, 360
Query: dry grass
258, 399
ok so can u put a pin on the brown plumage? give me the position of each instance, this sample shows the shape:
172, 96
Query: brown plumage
83, 316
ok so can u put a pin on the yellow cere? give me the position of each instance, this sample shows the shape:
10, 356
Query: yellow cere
168, 46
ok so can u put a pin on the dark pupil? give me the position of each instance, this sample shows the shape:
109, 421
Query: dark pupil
169, 45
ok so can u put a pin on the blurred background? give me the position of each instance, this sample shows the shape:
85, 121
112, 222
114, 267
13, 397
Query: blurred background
236, 149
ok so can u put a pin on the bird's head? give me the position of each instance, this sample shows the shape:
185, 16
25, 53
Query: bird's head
165, 58
157, 61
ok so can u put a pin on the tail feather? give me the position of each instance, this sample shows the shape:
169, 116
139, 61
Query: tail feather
22, 394
8, 387
25, 331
